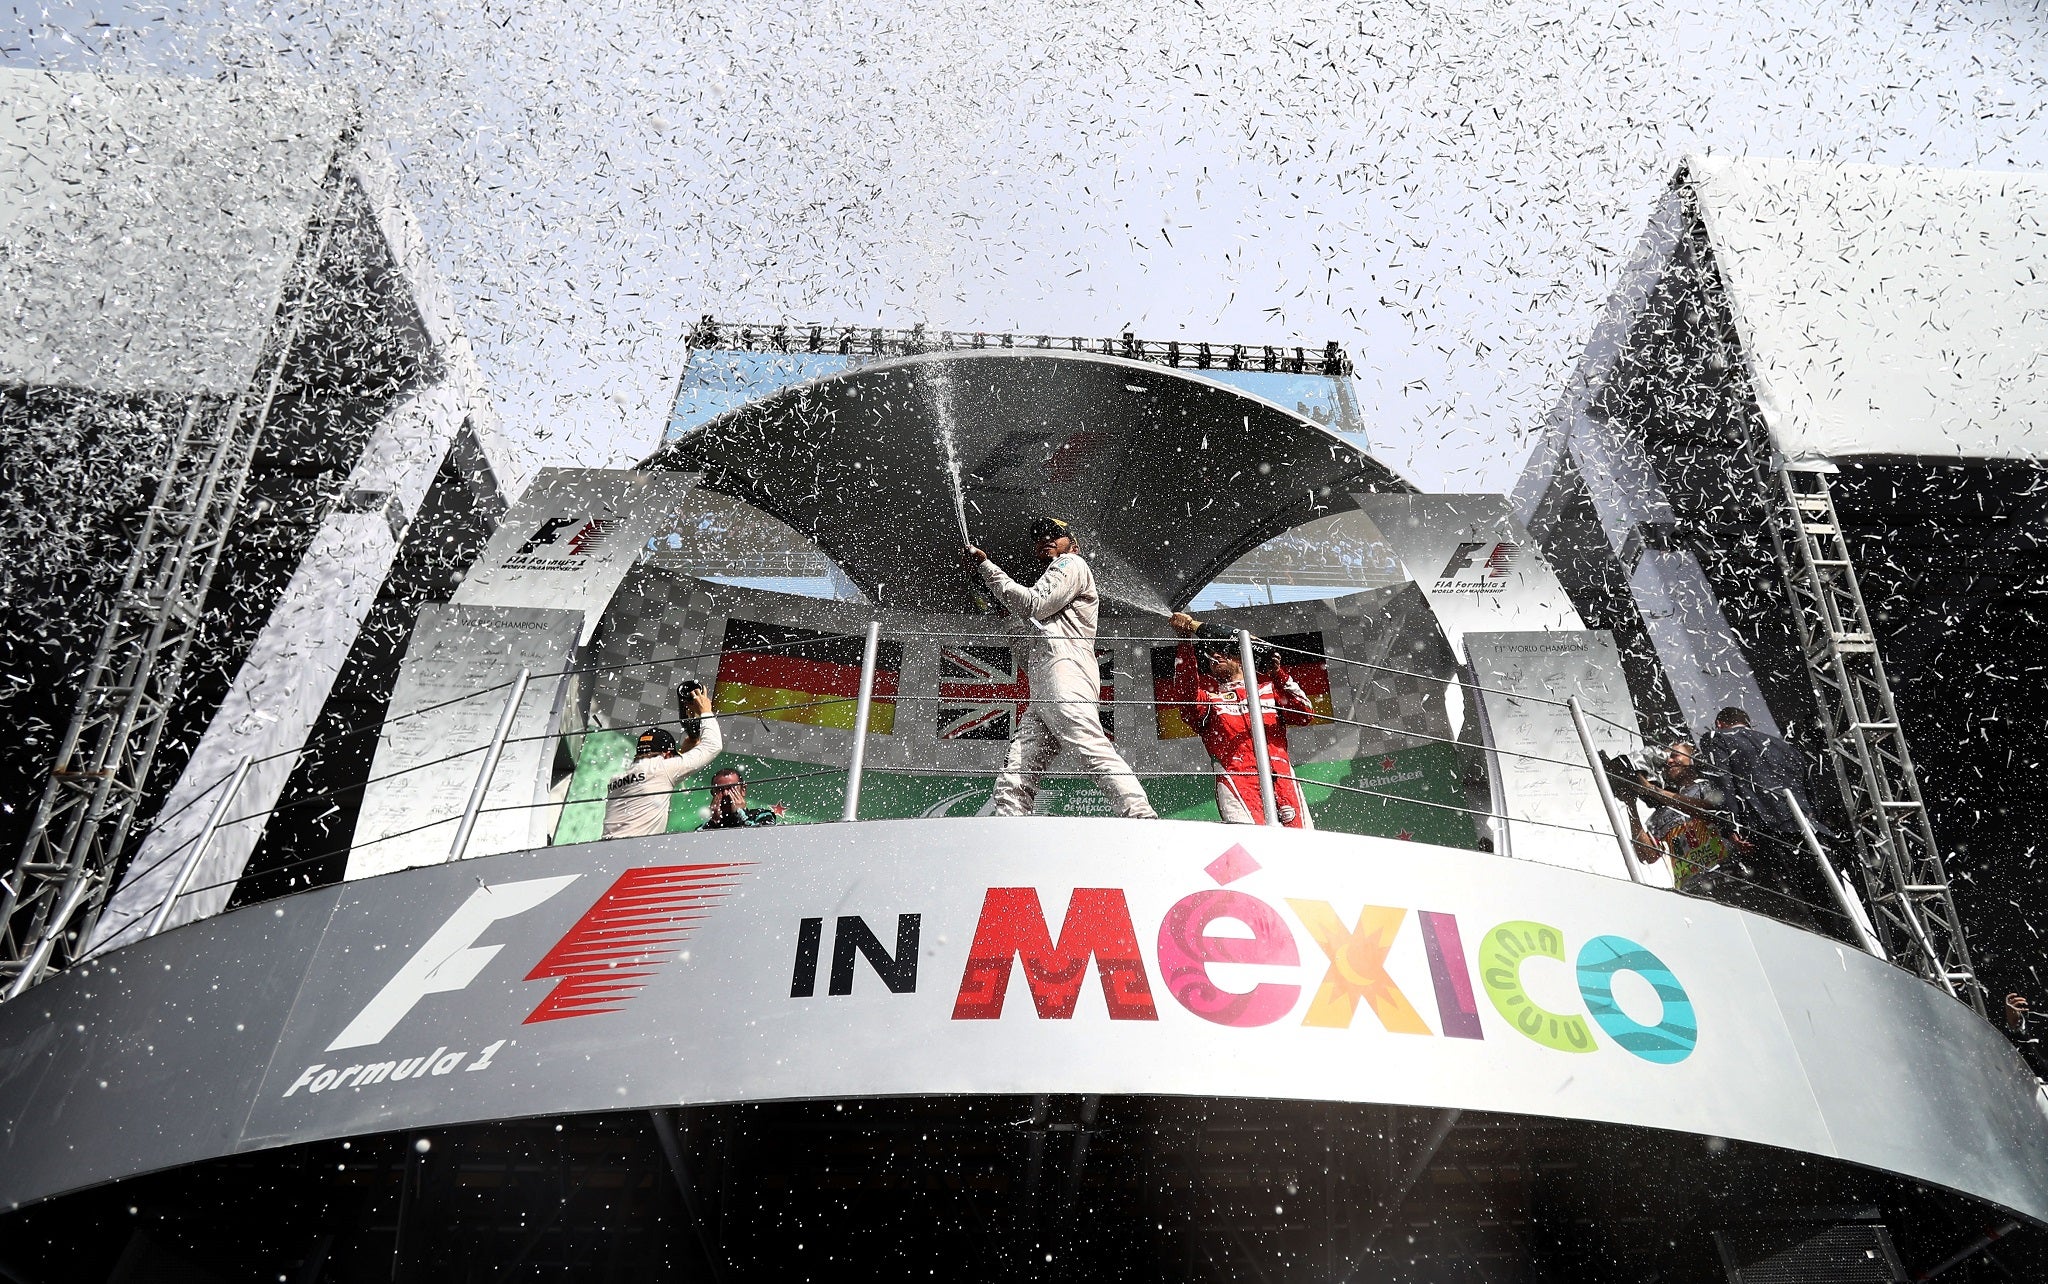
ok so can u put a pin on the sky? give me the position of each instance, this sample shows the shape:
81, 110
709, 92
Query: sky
1447, 189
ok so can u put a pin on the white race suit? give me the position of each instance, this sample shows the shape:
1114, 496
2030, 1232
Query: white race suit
637, 801
1060, 611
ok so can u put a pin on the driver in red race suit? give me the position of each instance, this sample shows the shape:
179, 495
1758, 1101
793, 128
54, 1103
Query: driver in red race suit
1224, 724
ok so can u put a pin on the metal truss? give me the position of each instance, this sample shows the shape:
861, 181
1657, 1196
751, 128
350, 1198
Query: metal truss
1902, 871
51, 898
875, 341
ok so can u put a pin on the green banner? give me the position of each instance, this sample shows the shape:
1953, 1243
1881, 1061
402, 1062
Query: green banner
1414, 793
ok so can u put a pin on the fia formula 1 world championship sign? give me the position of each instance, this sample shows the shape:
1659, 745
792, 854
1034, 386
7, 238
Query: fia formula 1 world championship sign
1001, 956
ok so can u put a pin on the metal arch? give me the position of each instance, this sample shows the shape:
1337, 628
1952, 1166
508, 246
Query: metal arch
874, 487
1901, 867
51, 897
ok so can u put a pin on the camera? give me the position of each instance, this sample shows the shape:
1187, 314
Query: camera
693, 723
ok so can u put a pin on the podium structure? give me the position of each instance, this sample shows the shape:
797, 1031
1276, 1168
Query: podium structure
1464, 1028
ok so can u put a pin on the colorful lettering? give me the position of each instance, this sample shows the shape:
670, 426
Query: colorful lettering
1676, 1033
1013, 926
1456, 1006
1013, 929
1501, 954
1358, 968
1186, 950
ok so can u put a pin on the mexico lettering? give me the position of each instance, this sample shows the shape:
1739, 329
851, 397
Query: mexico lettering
1013, 930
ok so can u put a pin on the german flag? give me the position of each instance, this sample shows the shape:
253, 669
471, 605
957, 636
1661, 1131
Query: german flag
798, 675
1173, 693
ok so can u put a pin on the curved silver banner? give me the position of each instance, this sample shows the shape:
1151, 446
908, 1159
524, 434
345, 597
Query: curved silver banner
981, 955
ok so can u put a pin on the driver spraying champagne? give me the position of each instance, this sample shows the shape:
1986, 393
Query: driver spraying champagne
1222, 718
1060, 611
637, 800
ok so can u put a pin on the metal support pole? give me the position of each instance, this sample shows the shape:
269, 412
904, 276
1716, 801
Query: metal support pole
1624, 833
860, 722
54, 929
490, 767
1255, 715
1851, 909
205, 840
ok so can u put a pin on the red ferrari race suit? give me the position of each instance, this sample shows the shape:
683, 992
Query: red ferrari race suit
1221, 720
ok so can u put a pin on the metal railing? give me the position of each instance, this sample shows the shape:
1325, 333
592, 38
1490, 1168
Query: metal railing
1619, 830
819, 338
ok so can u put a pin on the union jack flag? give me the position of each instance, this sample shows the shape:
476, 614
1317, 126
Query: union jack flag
984, 690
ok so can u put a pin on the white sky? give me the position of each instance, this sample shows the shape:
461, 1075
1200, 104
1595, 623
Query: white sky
1444, 188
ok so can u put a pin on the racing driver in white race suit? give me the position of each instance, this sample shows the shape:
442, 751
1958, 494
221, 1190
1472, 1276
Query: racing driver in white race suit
1060, 611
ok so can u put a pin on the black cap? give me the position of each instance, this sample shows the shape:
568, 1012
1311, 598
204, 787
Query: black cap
1206, 653
1055, 527
655, 740
1264, 656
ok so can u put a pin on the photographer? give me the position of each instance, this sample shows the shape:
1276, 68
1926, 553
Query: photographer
2024, 1027
1757, 770
637, 800
729, 808
1687, 818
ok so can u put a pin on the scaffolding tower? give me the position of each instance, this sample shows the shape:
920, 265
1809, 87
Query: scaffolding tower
90, 805
1901, 867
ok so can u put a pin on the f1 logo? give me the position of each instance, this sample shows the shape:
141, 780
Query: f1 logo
1487, 558
546, 534
449, 960
607, 955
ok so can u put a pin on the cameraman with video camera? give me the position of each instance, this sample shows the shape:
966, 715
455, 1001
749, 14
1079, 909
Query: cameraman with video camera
637, 801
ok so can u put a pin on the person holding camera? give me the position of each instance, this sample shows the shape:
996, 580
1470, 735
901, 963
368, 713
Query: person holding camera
2024, 1026
637, 801
729, 808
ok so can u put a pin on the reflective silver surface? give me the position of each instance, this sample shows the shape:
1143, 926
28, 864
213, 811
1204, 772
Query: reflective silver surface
1169, 476
512, 986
